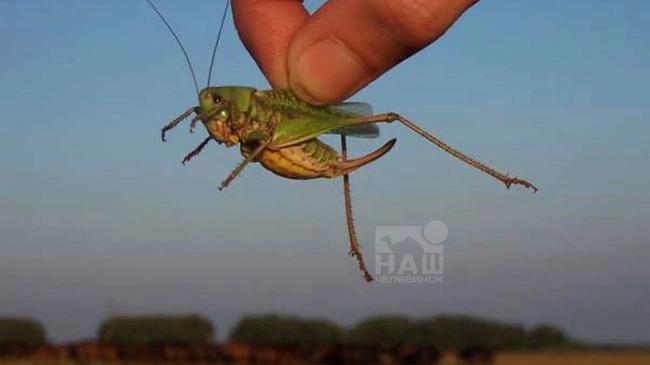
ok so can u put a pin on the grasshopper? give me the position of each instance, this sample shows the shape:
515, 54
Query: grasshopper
280, 131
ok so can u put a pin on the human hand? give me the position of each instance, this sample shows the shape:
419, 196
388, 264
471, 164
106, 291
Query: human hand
327, 57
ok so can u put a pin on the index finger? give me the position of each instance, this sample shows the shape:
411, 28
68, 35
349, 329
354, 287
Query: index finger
266, 28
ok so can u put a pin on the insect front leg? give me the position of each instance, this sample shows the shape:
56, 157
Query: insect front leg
176, 121
208, 115
352, 235
259, 149
391, 117
195, 151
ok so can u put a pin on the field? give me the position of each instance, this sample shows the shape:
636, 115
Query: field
529, 358
575, 358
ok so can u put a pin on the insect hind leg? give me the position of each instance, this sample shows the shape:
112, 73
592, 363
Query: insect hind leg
391, 117
354, 243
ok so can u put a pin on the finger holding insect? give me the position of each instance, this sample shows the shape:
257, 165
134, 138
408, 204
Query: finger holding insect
266, 28
348, 43
280, 130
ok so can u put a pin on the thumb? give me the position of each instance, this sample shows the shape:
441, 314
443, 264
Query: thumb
349, 43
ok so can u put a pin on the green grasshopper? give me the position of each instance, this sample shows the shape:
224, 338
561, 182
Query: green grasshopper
280, 131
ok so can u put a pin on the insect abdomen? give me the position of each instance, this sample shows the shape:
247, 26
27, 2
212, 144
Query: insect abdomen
309, 160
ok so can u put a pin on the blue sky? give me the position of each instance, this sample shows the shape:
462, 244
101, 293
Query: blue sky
97, 216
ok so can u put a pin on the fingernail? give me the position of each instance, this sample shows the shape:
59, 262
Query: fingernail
328, 71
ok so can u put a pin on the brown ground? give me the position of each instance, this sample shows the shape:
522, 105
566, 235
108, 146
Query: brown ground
575, 358
532, 358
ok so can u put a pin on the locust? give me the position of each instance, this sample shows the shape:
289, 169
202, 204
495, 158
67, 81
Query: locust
278, 130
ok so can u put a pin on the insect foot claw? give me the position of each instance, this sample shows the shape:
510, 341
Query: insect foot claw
367, 277
509, 181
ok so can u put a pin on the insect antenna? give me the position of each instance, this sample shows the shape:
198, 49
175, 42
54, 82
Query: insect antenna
171, 30
216, 43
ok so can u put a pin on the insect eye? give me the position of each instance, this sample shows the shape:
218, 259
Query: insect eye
216, 98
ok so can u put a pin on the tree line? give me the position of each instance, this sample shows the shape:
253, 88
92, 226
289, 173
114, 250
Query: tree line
443, 332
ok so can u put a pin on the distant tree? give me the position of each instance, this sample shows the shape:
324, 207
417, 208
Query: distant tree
384, 331
21, 332
156, 329
400, 333
455, 332
274, 329
321, 332
546, 336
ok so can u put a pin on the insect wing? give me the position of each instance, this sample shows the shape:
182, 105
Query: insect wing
359, 131
355, 109
300, 129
